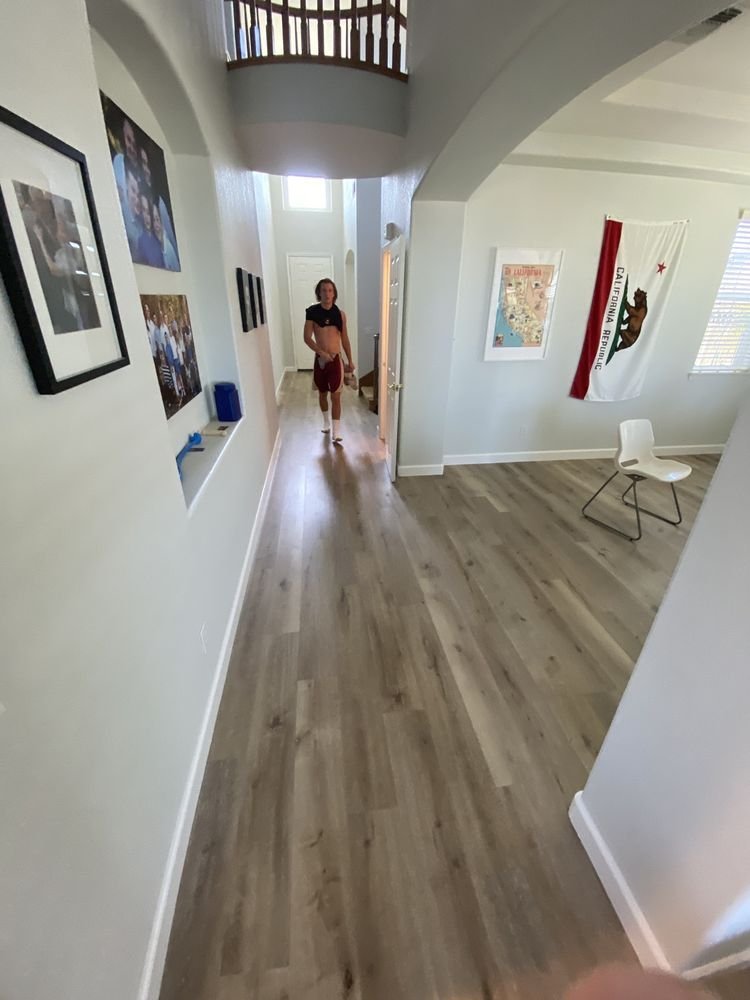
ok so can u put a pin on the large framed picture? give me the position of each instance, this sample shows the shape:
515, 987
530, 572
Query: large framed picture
141, 178
523, 295
52, 259
170, 334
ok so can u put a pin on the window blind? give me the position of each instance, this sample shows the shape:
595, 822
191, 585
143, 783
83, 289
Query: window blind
726, 343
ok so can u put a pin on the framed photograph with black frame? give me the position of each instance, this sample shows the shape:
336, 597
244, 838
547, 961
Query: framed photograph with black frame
253, 302
261, 299
52, 260
243, 289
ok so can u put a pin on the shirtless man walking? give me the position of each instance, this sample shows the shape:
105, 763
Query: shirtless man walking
326, 334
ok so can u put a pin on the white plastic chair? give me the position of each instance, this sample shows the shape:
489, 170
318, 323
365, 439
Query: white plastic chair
635, 459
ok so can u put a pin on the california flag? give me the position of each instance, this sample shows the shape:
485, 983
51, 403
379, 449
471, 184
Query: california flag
637, 264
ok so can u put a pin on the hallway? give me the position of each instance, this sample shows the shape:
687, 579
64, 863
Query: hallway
422, 677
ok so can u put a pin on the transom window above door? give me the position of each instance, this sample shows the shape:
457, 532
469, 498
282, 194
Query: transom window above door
307, 194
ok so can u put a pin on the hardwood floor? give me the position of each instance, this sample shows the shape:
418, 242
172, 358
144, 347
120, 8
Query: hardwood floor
422, 677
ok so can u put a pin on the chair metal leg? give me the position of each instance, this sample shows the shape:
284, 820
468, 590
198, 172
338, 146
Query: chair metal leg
611, 527
651, 513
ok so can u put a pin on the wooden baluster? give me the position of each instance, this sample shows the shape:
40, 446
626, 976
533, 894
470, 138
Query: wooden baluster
246, 27
286, 49
384, 18
337, 28
370, 37
396, 54
354, 42
321, 36
305, 29
269, 26
253, 47
237, 30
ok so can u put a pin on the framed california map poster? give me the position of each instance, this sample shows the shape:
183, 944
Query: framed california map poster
523, 294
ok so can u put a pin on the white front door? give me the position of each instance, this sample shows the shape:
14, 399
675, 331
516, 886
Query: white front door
305, 271
390, 361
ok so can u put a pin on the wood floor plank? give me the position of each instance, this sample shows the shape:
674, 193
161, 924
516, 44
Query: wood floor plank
258, 906
323, 960
422, 677
460, 956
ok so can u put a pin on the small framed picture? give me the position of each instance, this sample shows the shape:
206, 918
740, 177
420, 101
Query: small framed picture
243, 290
52, 260
170, 334
261, 300
252, 291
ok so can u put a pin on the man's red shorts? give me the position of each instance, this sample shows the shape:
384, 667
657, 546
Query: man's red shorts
330, 378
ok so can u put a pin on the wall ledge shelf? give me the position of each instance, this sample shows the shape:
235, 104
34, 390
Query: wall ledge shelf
198, 466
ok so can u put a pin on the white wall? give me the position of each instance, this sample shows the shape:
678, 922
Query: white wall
462, 124
429, 317
105, 580
550, 54
668, 792
369, 244
313, 119
271, 287
506, 407
349, 286
329, 95
459, 117
305, 233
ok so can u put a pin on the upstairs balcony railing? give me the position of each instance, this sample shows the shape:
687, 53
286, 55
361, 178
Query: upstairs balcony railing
358, 33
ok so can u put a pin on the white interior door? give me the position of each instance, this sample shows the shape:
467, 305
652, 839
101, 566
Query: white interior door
305, 271
390, 360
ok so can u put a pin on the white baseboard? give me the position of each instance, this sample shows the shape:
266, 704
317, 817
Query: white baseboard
690, 449
739, 960
288, 368
497, 457
632, 918
420, 470
156, 952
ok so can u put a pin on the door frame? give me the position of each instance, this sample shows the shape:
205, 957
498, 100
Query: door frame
331, 275
386, 254
350, 297
382, 374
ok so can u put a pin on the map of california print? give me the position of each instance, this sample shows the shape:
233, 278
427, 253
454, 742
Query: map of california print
522, 304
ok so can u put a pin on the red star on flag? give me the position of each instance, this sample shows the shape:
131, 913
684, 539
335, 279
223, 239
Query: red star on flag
660, 268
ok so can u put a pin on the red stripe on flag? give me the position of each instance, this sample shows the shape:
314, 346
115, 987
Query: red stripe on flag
604, 276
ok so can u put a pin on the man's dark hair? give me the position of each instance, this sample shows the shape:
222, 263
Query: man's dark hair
326, 281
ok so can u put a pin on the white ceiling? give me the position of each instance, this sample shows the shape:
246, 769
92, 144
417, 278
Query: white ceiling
679, 106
